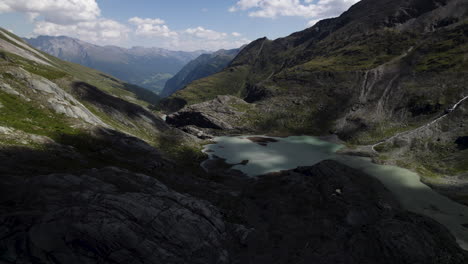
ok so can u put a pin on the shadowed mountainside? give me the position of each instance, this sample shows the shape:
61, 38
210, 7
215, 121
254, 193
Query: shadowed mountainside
203, 66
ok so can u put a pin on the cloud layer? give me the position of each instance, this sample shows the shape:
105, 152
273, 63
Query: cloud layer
82, 19
299, 8
203, 33
151, 27
100, 31
188, 39
54, 11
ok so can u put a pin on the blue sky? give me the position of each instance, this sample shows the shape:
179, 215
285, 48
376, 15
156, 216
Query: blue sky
174, 24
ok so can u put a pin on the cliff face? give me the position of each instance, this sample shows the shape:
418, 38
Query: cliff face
381, 68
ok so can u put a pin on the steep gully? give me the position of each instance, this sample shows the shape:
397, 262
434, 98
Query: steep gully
447, 112
373, 76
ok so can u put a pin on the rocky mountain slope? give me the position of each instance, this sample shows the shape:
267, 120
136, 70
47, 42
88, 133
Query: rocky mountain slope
381, 68
203, 66
90, 175
146, 67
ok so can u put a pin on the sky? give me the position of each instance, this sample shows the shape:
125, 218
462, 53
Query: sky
172, 24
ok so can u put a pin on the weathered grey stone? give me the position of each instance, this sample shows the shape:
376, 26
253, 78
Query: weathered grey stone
7, 89
56, 98
5, 130
109, 216
215, 114
298, 216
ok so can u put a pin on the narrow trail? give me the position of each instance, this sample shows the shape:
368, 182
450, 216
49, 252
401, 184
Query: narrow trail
448, 111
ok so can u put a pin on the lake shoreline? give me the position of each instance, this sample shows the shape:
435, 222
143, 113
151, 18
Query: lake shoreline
441, 208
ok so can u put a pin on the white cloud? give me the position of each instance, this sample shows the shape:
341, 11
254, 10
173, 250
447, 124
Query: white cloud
99, 31
148, 27
187, 43
312, 22
82, 19
158, 33
245, 4
55, 11
299, 8
200, 38
203, 33
140, 21
75, 18
196, 38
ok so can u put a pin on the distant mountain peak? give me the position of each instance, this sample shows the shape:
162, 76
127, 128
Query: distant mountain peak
145, 67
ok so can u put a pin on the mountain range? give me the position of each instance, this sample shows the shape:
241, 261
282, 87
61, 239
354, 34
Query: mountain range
384, 77
93, 170
149, 68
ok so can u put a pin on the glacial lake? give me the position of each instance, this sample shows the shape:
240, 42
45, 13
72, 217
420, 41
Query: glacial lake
276, 154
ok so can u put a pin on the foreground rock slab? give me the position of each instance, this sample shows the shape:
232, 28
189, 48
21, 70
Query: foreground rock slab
330, 213
327, 213
105, 216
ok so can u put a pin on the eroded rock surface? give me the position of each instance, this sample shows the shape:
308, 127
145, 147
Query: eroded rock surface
52, 96
106, 216
221, 113
328, 213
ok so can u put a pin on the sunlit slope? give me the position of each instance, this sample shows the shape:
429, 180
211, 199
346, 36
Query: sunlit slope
43, 95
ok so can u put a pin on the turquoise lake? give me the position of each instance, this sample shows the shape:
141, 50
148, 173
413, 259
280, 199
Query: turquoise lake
291, 152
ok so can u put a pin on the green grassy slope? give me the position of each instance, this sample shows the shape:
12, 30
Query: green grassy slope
28, 122
27, 115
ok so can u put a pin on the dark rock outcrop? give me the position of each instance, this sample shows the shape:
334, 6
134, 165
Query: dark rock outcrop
105, 216
330, 213
221, 113
462, 142
327, 213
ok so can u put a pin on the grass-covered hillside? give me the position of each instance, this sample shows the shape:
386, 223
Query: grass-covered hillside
46, 103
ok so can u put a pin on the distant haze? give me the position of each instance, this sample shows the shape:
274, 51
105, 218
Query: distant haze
146, 67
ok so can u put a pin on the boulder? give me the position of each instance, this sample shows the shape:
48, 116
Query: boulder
224, 113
